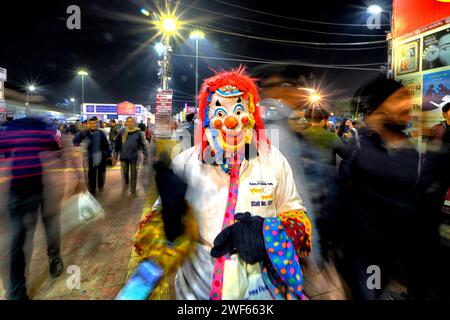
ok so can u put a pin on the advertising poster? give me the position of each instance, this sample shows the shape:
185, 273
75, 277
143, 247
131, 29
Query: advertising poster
436, 50
414, 85
408, 57
436, 92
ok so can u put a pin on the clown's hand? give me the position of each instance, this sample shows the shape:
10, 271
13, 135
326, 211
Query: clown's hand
171, 190
244, 237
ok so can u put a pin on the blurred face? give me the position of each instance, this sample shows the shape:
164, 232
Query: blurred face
230, 121
92, 125
112, 124
279, 88
396, 110
130, 123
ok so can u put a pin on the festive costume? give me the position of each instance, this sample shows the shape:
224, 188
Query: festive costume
252, 225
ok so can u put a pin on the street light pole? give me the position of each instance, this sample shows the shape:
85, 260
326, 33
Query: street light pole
82, 91
30, 89
196, 73
197, 35
83, 74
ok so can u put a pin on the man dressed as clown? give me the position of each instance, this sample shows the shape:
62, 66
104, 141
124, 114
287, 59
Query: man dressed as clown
252, 226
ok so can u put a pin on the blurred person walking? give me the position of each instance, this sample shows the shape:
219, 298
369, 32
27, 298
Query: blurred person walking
128, 144
348, 134
142, 126
433, 186
373, 213
113, 133
25, 139
98, 152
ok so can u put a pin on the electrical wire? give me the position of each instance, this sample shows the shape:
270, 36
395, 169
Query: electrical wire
267, 60
303, 46
295, 19
347, 67
292, 41
285, 27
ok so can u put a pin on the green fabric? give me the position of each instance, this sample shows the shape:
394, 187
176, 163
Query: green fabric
323, 142
320, 137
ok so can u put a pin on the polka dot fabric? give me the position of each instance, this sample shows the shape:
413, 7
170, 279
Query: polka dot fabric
284, 276
217, 281
299, 229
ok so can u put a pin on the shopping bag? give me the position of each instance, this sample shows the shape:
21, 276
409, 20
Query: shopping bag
243, 281
80, 209
89, 208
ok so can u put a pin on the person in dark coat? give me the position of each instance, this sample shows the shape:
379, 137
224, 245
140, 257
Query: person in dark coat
128, 145
373, 213
98, 154
433, 186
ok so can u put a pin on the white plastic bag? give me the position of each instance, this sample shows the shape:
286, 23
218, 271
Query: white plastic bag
242, 281
80, 209
89, 208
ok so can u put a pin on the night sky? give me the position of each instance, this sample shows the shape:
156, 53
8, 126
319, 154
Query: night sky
113, 44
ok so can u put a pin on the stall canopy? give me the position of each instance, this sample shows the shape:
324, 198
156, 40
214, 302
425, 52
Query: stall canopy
410, 15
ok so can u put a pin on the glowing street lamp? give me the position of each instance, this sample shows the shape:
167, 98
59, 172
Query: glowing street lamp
374, 9
145, 12
159, 48
30, 89
169, 24
73, 101
196, 35
82, 74
315, 98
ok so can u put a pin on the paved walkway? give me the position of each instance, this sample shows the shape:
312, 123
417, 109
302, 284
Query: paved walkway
102, 249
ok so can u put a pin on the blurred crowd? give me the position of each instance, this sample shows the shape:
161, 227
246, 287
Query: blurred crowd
372, 197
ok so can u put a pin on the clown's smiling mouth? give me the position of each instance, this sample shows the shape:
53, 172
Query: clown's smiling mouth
232, 136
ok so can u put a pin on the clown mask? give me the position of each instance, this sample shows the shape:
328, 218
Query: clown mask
230, 121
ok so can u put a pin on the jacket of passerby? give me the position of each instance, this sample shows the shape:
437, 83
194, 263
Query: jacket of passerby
129, 143
375, 195
113, 133
98, 147
142, 126
24, 139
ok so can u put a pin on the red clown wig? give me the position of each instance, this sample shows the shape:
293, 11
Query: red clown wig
240, 79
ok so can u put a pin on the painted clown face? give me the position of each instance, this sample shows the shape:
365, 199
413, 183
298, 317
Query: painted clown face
231, 121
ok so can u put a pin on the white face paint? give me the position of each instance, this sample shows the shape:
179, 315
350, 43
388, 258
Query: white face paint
229, 120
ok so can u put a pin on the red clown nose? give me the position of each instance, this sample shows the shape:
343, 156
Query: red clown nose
231, 122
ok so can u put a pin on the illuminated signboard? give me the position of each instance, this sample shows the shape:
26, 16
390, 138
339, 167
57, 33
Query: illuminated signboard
106, 109
126, 108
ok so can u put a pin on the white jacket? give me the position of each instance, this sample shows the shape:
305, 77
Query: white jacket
266, 188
